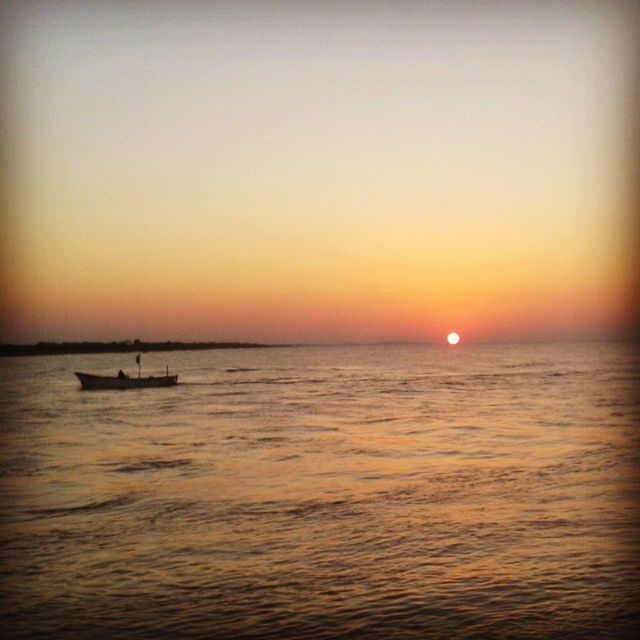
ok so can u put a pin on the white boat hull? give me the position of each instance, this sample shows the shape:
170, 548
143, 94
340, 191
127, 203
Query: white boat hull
90, 381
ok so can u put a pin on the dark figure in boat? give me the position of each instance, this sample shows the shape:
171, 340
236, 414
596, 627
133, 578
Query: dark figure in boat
122, 375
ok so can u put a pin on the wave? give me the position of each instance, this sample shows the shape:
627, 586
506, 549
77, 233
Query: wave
96, 506
150, 465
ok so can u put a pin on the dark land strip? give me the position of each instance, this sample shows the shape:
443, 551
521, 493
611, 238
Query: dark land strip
135, 346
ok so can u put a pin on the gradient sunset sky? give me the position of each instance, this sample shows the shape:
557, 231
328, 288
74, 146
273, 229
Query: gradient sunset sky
317, 172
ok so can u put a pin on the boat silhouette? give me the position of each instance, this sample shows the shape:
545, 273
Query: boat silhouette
90, 381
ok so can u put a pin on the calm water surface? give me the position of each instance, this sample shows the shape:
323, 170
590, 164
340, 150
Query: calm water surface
326, 492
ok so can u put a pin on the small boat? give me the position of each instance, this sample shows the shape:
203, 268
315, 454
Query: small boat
90, 381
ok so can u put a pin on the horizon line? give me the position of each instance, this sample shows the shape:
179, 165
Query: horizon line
39, 348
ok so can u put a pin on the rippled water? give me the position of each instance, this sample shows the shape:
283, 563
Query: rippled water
374, 492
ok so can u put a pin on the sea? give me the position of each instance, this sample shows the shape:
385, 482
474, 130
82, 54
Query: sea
391, 491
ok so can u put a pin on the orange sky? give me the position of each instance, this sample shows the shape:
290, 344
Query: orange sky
302, 173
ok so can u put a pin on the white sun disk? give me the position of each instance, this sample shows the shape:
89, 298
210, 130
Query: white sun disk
453, 338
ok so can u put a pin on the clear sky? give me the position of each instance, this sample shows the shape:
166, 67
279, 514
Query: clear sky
316, 172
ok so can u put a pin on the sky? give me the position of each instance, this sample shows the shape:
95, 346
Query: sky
317, 172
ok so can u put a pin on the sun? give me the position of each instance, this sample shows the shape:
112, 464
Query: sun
453, 338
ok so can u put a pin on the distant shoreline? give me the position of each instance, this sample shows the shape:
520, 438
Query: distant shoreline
136, 346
